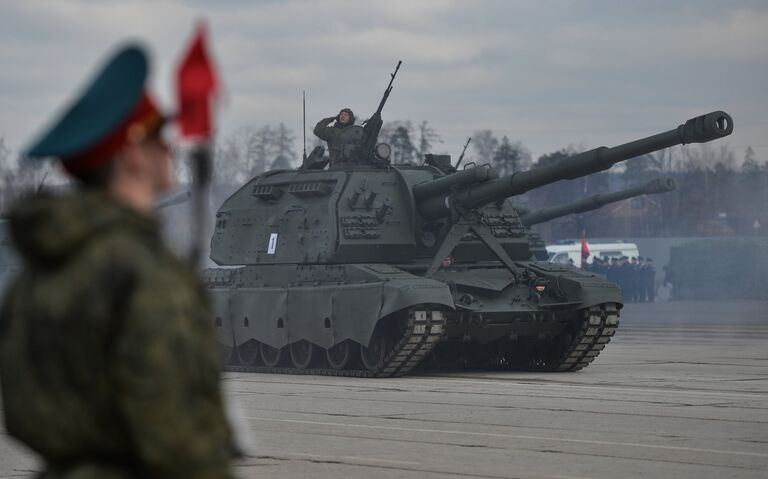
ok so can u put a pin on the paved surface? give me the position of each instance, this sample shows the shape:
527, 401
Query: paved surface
681, 392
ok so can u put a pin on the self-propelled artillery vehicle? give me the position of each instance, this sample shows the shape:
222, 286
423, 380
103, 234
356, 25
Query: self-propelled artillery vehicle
363, 267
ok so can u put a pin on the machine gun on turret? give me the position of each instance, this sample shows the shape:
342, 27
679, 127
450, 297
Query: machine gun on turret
658, 185
373, 125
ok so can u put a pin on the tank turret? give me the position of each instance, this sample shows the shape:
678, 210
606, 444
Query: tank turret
658, 185
701, 129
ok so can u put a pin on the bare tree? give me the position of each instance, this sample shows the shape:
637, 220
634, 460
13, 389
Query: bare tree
389, 128
403, 150
231, 158
427, 138
261, 148
511, 157
248, 151
666, 160
484, 145
8, 178
708, 157
750, 164
5, 155
283, 139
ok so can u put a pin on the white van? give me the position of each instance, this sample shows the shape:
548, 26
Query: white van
561, 253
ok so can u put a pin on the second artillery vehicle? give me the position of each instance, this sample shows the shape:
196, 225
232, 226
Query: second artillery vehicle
659, 185
363, 268
531, 218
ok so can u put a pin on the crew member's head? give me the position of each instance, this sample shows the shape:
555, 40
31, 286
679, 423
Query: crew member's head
345, 117
112, 130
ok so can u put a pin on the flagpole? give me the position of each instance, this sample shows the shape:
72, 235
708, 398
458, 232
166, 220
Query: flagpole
202, 173
197, 85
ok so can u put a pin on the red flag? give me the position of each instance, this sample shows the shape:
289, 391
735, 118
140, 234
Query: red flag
584, 248
197, 83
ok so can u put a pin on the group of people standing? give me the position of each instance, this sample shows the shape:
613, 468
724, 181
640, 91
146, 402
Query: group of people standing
636, 276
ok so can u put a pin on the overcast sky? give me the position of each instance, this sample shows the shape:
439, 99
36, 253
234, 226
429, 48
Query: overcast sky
546, 73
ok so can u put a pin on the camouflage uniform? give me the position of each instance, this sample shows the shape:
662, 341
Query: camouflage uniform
342, 139
108, 361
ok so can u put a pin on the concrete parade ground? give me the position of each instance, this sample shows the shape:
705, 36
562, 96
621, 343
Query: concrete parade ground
681, 391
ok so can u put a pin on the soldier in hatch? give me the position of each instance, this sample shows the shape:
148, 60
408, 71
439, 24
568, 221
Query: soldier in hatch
342, 138
108, 361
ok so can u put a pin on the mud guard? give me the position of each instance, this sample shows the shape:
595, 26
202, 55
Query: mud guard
324, 315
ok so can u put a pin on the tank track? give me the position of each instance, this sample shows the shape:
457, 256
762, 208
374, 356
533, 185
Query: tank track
421, 332
590, 338
588, 332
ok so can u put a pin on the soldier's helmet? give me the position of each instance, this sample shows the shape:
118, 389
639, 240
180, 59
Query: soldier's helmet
351, 116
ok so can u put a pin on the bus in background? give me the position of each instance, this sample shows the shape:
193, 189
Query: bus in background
562, 253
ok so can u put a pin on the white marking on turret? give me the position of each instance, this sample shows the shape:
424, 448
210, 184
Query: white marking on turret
272, 246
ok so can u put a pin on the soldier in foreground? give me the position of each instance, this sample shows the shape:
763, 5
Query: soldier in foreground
342, 137
108, 362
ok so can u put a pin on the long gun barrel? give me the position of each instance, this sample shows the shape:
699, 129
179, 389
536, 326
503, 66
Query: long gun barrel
388, 90
659, 185
460, 179
701, 129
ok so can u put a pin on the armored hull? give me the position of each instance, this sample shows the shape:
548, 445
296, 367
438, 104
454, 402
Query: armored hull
380, 320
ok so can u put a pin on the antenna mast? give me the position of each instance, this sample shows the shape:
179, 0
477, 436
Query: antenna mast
461, 158
304, 112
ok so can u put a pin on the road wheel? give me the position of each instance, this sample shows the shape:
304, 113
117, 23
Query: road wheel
271, 357
340, 356
248, 353
375, 353
303, 354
